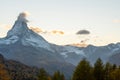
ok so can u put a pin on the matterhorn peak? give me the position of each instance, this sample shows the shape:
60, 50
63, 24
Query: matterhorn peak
20, 27
20, 33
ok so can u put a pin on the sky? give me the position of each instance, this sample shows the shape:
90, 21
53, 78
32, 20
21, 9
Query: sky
100, 17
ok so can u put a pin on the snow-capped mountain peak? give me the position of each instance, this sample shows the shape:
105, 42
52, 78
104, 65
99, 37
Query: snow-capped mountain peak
20, 32
20, 27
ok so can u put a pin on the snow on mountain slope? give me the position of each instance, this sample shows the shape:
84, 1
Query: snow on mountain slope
10, 40
71, 54
65, 50
34, 39
74, 49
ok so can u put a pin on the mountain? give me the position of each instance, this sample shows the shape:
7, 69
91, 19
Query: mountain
109, 53
115, 59
23, 45
71, 54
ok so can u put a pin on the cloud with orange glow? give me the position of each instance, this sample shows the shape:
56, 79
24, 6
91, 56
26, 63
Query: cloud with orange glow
57, 32
116, 21
53, 32
79, 44
36, 29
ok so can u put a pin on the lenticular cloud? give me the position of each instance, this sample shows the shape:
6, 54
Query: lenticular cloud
83, 32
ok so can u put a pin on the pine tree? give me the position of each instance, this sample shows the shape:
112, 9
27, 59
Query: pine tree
83, 71
114, 66
42, 75
62, 77
107, 71
115, 74
99, 70
58, 76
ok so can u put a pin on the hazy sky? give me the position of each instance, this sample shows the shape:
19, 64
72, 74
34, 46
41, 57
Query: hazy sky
100, 17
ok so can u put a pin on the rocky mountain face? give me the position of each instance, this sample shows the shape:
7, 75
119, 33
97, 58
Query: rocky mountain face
115, 59
14, 70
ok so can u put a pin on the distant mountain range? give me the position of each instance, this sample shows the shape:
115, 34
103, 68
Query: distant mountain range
73, 55
23, 45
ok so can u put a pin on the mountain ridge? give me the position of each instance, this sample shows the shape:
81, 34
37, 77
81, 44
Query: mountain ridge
26, 46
